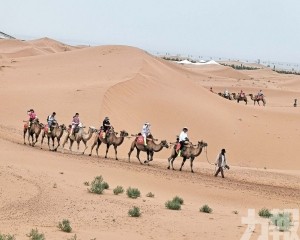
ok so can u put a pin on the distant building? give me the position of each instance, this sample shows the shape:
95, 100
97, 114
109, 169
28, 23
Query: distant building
5, 36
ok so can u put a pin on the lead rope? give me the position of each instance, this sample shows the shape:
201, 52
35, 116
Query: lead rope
209, 161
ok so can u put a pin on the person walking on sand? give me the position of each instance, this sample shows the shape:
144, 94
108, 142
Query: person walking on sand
221, 163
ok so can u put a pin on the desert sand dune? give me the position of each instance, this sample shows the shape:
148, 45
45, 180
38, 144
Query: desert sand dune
40, 188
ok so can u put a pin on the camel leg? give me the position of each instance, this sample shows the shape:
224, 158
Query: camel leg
130, 151
85, 147
138, 155
173, 161
183, 161
25, 131
98, 145
92, 147
107, 147
116, 152
78, 143
64, 142
43, 135
58, 144
71, 144
192, 159
29, 138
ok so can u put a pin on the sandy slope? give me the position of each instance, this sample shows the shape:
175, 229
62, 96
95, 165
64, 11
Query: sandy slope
132, 87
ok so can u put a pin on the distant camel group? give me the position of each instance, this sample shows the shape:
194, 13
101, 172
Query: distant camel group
34, 129
238, 97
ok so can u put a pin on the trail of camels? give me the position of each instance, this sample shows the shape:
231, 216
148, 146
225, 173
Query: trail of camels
33, 131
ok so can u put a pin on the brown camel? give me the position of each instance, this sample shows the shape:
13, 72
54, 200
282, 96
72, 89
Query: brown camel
188, 152
258, 99
150, 148
56, 132
34, 130
79, 136
239, 98
112, 139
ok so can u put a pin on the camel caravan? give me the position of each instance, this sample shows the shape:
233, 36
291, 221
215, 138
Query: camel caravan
242, 97
75, 132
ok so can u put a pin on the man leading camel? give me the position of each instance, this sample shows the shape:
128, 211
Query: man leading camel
221, 163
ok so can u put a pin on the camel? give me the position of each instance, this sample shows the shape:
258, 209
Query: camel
239, 98
35, 129
56, 132
258, 99
223, 95
79, 136
112, 139
189, 152
150, 148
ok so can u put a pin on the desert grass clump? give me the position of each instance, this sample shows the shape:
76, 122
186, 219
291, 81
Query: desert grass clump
173, 205
178, 199
98, 185
35, 235
206, 209
282, 221
86, 183
134, 212
150, 194
265, 213
118, 190
7, 237
133, 192
65, 226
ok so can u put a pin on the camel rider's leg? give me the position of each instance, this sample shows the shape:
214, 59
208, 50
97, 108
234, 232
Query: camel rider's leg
49, 126
145, 139
181, 147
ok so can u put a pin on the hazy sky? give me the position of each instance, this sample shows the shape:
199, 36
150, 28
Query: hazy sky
245, 29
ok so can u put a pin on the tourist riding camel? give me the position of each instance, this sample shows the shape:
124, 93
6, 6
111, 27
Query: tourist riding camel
105, 127
258, 99
146, 132
51, 121
189, 152
32, 117
183, 139
110, 139
150, 148
56, 132
75, 123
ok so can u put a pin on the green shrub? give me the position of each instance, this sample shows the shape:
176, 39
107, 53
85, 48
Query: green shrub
7, 237
178, 199
206, 209
282, 221
173, 205
65, 226
35, 235
265, 213
134, 212
98, 185
150, 194
133, 192
118, 190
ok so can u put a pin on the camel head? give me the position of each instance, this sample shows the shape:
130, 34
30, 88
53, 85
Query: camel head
63, 127
123, 133
165, 143
202, 144
92, 129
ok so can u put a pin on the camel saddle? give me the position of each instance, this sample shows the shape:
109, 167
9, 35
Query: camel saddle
46, 128
177, 147
140, 139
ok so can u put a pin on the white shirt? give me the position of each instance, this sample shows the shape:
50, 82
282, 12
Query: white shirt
145, 130
183, 136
